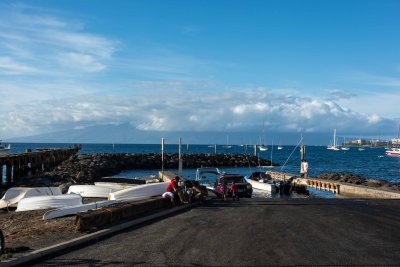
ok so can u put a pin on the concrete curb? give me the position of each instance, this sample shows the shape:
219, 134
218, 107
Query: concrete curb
44, 252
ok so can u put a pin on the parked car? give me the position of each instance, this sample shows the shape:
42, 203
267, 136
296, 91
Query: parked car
244, 188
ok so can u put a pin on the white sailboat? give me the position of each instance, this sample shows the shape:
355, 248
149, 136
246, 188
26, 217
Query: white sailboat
334, 146
394, 151
262, 147
227, 142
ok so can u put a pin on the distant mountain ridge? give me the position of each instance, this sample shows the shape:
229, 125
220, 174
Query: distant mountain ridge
128, 134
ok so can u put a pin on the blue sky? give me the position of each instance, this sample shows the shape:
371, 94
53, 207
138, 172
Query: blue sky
297, 66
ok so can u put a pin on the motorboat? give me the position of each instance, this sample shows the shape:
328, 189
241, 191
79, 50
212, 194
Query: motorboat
262, 181
139, 192
15, 194
394, 151
48, 202
207, 177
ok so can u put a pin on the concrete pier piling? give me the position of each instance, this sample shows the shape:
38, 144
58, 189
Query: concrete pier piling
14, 166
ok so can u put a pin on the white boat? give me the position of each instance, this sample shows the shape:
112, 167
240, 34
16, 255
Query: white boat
227, 143
394, 151
139, 192
91, 190
4, 147
114, 186
280, 147
207, 177
361, 148
48, 202
16, 194
60, 212
259, 180
334, 146
263, 148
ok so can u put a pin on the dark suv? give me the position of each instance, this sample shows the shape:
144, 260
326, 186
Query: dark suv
244, 188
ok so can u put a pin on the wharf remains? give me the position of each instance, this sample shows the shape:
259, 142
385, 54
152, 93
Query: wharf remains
29, 163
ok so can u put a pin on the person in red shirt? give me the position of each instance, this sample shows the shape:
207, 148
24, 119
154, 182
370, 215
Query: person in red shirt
234, 191
174, 188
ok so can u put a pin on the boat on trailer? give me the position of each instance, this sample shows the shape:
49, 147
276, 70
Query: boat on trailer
262, 181
207, 177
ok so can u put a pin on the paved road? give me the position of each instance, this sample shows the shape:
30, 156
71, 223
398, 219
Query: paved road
267, 232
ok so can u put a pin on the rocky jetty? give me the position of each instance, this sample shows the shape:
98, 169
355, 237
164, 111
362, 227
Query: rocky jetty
88, 168
358, 180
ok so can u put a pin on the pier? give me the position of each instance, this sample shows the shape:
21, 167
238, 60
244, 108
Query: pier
339, 188
15, 166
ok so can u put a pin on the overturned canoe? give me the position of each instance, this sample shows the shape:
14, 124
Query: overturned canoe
140, 192
48, 202
91, 190
16, 194
60, 212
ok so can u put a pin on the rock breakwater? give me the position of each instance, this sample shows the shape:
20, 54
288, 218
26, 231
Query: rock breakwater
88, 168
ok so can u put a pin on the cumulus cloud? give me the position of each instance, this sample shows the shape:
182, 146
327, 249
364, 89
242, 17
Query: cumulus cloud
191, 111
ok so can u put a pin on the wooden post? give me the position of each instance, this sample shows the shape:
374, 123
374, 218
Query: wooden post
8, 172
1, 172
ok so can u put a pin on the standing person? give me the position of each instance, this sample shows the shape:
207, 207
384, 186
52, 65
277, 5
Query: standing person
304, 169
224, 190
234, 191
174, 188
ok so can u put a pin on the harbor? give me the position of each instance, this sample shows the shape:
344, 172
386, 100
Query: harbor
83, 226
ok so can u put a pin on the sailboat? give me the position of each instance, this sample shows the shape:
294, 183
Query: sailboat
280, 147
344, 147
334, 146
262, 147
227, 142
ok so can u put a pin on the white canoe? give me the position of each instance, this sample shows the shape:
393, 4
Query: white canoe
115, 186
15, 194
60, 212
90, 190
140, 192
48, 202
268, 186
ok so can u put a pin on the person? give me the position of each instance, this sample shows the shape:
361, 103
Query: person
234, 191
304, 169
224, 190
196, 192
174, 188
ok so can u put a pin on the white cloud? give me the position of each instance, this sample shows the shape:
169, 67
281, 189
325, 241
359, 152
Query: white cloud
193, 111
35, 42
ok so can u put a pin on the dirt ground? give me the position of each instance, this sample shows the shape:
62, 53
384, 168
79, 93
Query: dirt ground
28, 229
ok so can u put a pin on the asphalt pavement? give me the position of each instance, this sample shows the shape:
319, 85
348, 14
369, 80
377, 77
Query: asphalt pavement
254, 232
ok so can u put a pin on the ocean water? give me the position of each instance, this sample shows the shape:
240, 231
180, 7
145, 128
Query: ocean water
371, 163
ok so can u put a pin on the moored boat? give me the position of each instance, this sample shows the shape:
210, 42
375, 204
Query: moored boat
4, 147
394, 151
